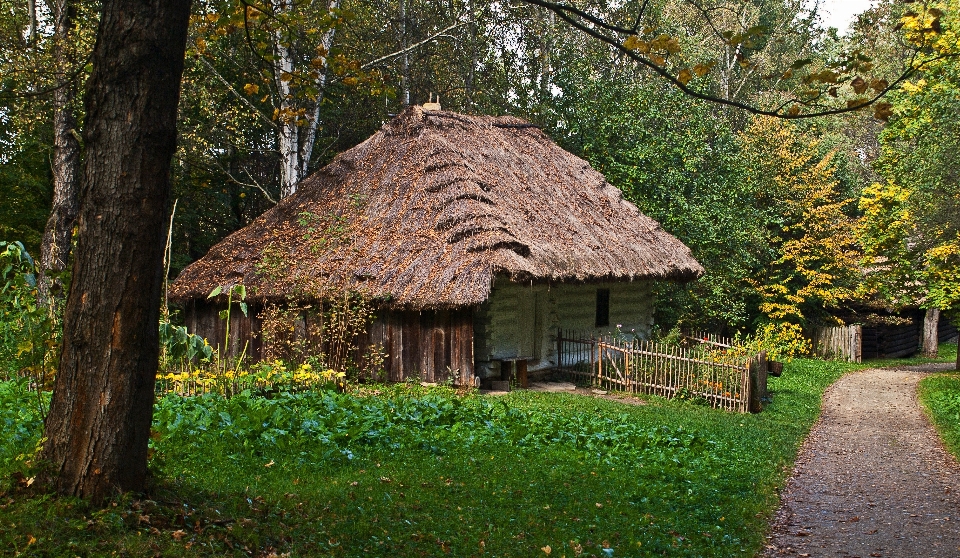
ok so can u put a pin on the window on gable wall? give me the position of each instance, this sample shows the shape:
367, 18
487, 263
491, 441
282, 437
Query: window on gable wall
603, 307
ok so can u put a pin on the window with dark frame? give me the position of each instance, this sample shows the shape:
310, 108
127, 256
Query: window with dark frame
603, 307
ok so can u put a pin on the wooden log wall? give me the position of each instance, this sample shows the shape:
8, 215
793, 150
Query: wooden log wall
946, 330
432, 346
843, 342
429, 346
891, 341
203, 318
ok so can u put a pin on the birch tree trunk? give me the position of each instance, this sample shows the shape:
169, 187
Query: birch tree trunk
55, 247
32, 20
289, 140
99, 421
405, 65
297, 137
931, 323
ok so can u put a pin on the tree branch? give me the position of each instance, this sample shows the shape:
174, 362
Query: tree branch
568, 14
246, 101
411, 47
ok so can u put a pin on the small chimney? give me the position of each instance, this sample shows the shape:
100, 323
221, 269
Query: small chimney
430, 105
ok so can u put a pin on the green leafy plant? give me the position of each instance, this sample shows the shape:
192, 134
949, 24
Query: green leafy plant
178, 347
240, 292
29, 331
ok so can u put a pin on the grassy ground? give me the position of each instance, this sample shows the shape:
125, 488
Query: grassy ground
414, 472
947, 352
940, 396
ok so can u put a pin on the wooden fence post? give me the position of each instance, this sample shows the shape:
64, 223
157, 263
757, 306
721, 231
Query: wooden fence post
757, 369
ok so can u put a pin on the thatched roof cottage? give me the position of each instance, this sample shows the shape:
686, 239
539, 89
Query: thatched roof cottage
479, 236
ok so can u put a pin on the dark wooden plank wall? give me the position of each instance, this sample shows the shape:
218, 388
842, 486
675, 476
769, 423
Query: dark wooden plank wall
946, 330
891, 341
432, 346
203, 318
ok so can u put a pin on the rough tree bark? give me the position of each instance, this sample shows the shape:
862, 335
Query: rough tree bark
55, 249
99, 421
931, 323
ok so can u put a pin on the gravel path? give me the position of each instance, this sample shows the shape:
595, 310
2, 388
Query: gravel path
873, 478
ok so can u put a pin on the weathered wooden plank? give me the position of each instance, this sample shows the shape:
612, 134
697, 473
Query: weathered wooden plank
426, 365
410, 323
395, 350
466, 337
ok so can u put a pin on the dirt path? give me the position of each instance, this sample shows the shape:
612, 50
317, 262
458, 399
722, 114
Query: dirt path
872, 479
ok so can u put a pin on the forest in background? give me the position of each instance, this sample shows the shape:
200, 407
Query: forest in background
795, 221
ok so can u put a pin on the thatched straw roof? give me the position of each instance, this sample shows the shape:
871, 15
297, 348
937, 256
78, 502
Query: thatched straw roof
427, 211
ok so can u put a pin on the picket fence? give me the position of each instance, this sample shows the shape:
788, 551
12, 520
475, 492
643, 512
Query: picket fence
844, 342
705, 368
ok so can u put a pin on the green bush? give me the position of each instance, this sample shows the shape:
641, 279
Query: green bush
21, 422
29, 330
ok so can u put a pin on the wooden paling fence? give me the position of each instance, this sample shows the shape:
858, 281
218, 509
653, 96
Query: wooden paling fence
713, 371
839, 342
710, 339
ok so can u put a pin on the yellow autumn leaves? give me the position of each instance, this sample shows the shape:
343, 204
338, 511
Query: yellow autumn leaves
899, 250
796, 179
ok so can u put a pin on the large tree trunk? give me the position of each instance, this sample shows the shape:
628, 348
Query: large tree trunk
99, 421
55, 249
931, 323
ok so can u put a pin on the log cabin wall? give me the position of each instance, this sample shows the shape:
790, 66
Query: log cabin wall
203, 318
946, 331
891, 341
429, 346
522, 320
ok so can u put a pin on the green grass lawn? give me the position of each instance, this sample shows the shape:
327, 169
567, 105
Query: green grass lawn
410, 471
940, 396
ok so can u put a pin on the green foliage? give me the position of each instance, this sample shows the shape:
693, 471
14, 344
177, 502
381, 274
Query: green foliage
766, 211
29, 330
29, 74
178, 347
323, 424
403, 470
25, 192
21, 423
680, 165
